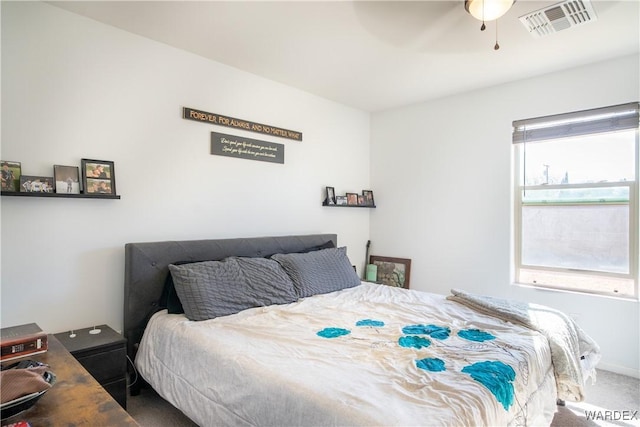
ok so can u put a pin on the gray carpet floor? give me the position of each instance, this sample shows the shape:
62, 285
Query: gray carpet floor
614, 400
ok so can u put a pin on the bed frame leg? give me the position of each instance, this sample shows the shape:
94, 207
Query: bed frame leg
560, 402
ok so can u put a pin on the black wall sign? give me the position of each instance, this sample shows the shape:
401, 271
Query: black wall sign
218, 119
246, 148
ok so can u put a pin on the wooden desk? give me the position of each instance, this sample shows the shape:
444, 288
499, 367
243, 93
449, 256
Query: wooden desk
76, 398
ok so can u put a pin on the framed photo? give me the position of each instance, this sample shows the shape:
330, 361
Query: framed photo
331, 196
352, 199
36, 184
341, 200
361, 201
368, 197
392, 271
98, 176
11, 172
67, 179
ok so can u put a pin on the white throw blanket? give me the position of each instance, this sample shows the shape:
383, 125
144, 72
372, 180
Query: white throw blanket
569, 344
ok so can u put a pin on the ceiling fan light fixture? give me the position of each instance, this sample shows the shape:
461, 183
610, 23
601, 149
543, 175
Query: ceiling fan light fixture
487, 10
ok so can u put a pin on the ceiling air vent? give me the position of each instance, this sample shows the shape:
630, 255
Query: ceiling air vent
558, 17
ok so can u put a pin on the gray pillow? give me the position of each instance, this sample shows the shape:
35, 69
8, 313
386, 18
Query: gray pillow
211, 289
319, 272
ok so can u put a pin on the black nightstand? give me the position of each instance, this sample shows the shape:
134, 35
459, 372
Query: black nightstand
104, 355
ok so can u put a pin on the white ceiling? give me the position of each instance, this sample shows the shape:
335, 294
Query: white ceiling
372, 55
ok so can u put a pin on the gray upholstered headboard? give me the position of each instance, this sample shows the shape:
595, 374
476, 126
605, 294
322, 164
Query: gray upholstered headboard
146, 268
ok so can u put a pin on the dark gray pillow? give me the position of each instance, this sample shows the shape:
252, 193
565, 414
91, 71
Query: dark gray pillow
319, 272
212, 289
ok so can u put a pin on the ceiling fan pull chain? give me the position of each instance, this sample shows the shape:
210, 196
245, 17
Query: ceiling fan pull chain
497, 46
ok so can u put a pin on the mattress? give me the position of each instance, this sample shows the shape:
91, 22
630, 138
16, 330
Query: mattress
368, 355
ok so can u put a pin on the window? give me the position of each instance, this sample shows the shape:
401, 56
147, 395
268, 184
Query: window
576, 201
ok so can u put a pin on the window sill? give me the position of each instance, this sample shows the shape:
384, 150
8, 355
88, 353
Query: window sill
575, 292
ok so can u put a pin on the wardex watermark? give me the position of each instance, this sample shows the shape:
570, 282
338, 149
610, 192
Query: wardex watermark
603, 415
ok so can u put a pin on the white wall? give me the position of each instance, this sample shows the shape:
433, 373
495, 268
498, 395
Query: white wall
73, 88
441, 172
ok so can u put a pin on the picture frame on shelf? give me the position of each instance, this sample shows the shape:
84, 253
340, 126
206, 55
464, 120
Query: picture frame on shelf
361, 200
98, 176
341, 200
67, 179
352, 199
11, 172
392, 271
331, 196
368, 197
36, 184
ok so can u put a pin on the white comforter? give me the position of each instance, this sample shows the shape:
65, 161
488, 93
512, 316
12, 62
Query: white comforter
279, 366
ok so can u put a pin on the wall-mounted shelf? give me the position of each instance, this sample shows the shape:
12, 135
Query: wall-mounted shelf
61, 195
348, 206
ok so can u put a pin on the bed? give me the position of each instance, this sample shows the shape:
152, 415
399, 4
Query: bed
364, 354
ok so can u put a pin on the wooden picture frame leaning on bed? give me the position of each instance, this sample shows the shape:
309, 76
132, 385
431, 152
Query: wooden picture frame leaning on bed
392, 271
